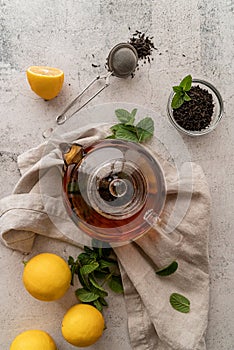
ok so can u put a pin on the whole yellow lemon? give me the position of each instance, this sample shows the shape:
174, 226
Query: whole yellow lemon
82, 325
47, 277
33, 340
45, 81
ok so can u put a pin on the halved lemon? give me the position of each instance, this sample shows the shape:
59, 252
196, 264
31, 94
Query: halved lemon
46, 82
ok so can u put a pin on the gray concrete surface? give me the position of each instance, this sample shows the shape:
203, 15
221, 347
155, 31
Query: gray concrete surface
192, 37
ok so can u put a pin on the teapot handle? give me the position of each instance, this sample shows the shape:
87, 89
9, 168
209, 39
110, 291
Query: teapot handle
153, 220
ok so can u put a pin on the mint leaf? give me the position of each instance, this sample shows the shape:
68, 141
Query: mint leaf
86, 269
83, 281
103, 301
101, 293
177, 88
181, 92
187, 97
115, 284
170, 269
146, 124
86, 296
105, 263
111, 137
177, 101
73, 268
71, 260
116, 127
180, 303
133, 114
88, 250
145, 129
99, 274
98, 305
143, 135
124, 116
186, 83
84, 259
126, 134
95, 284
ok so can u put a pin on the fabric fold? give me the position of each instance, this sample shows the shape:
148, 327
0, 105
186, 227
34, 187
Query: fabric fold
36, 208
190, 280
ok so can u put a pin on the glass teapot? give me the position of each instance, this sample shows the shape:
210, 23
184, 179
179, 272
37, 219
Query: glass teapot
113, 190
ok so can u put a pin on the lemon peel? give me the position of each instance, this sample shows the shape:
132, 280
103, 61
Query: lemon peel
47, 277
82, 325
45, 81
33, 340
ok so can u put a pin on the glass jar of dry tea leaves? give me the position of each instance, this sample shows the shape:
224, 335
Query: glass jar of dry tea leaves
201, 114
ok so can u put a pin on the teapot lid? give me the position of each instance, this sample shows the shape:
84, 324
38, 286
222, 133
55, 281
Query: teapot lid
109, 190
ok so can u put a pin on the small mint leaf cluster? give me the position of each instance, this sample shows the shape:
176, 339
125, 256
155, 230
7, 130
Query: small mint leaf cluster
126, 130
95, 267
181, 92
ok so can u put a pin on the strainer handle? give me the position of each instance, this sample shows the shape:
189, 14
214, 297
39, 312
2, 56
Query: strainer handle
61, 118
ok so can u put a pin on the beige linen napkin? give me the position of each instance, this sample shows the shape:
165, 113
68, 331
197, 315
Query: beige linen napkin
153, 323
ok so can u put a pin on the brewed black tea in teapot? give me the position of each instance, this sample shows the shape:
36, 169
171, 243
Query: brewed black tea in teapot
110, 187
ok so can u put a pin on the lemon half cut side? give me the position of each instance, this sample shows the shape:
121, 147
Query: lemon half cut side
45, 81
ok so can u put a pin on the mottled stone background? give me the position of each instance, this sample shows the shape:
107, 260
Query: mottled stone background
191, 37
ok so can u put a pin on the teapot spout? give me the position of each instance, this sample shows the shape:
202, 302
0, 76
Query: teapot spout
72, 153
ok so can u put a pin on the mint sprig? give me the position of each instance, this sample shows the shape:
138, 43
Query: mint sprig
94, 268
181, 90
126, 130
